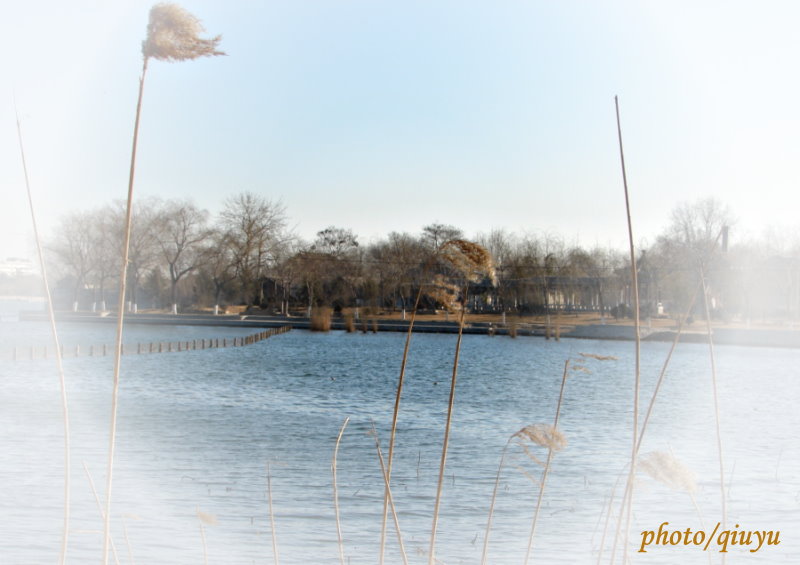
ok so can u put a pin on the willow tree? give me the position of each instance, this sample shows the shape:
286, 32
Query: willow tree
173, 34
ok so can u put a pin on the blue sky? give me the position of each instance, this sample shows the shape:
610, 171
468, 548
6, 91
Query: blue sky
387, 116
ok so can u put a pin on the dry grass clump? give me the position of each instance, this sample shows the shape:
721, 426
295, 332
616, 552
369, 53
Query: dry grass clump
349, 323
512, 329
320, 319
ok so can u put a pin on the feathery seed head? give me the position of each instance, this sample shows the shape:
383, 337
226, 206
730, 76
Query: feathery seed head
206, 518
666, 469
473, 261
444, 292
599, 357
543, 435
173, 34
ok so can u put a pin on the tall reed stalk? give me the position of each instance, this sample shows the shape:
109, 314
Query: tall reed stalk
470, 262
485, 552
709, 251
550, 452
59, 365
272, 517
445, 442
389, 496
393, 432
540, 435
173, 34
628, 498
336, 492
724, 505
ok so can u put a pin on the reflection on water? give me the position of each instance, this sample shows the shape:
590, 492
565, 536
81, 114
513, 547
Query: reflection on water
198, 429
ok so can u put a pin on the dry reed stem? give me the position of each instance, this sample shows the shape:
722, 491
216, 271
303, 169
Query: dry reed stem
636, 325
485, 552
651, 405
100, 508
716, 404
471, 261
120, 317
127, 540
205, 520
203, 538
59, 365
336, 492
608, 519
450, 405
172, 35
540, 434
551, 449
707, 255
272, 517
392, 434
391, 499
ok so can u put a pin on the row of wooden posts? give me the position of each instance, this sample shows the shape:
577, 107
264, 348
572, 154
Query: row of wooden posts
42, 352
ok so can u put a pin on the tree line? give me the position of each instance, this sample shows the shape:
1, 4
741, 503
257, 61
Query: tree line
181, 257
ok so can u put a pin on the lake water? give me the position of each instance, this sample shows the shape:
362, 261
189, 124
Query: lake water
197, 431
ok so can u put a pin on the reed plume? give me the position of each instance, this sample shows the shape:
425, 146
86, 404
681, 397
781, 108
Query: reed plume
173, 34
668, 470
664, 467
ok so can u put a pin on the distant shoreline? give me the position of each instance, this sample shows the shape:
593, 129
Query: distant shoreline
757, 337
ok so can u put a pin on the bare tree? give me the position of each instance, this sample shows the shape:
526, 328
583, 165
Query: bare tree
256, 228
143, 247
397, 262
180, 230
687, 248
218, 264
74, 250
106, 255
337, 242
337, 251
434, 235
